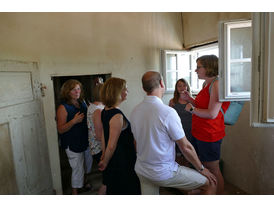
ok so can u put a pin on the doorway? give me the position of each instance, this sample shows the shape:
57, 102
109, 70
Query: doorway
88, 82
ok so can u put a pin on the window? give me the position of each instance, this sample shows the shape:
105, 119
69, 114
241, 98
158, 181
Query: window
182, 64
176, 66
262, 105
235, 43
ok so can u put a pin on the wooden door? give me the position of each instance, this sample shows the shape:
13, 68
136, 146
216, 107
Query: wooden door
24, 158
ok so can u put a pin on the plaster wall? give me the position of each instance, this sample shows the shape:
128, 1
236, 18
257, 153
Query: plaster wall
248, 156
64, 44
202, 27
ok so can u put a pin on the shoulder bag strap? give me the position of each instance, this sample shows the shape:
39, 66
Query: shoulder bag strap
209, 89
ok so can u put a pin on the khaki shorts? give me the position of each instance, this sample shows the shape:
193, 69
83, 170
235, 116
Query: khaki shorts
184, 178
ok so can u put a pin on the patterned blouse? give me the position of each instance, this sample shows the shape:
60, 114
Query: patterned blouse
95, 145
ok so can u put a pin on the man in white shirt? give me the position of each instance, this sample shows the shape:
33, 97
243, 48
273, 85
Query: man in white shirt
156, 128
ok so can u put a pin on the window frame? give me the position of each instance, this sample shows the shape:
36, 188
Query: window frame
261, 106
224, 61
164, 66
193, 55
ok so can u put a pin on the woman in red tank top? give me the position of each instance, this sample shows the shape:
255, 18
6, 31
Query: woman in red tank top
208, 128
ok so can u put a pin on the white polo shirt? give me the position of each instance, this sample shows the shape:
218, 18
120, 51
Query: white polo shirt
155, 127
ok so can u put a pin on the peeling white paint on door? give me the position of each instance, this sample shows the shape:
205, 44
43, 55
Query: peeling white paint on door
21, 109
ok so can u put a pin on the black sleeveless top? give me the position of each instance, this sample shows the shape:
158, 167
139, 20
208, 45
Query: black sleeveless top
119, 175
124, 156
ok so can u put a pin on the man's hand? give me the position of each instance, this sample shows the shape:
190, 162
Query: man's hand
211, 178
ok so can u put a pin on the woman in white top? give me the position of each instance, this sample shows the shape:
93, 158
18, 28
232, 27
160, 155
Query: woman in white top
95, 128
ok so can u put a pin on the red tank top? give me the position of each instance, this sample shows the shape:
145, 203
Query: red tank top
208, 130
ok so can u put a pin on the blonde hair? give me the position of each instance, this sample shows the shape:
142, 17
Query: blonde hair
176, 94
67, 87
111, 91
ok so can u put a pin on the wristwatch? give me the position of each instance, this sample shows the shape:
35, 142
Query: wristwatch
202, 168
191, 109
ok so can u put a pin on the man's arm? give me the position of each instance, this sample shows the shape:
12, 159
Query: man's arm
190, 154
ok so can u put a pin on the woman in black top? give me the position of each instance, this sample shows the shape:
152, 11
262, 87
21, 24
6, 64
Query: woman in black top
179, 104
119, 155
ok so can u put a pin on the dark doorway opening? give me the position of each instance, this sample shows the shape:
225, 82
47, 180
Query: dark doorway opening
88, 82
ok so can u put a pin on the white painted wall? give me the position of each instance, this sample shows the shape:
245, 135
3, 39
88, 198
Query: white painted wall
248, 156
124, 44
206, 27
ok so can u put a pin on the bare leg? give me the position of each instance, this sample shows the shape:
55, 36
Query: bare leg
214, 168
87, 185
102, 190
74, 191
207, 189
